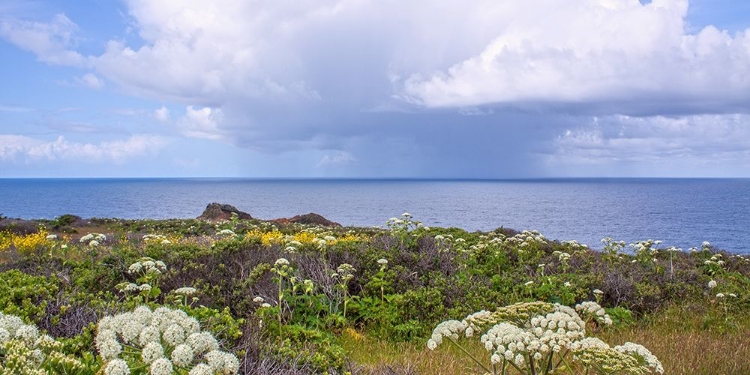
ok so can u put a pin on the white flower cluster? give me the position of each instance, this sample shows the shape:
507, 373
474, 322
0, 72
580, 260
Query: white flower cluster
281, 262
226, 232
11, 324
592, 311
292, 245
185, 291
166, 338
160, 238
574, 245
526, 239
449, 328
320, 242
346, 272
563, 257
542, 336
93, 239
133, 288
25, 349
640, 350
526, 334
715, 260
147, 265
404, 224
588, 343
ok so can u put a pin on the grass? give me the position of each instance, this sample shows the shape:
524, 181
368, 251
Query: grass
687, 339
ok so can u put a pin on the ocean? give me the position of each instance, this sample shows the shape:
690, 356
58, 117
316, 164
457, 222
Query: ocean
680, 212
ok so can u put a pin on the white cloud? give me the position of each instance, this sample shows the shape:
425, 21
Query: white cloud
162, 114
595, 51
202, 123
52, 42
697, 143
273, 76
18, 147
90, 80
5, 108
339, 158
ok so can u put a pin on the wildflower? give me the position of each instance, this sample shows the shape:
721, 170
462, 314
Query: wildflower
597, 291
222, 362
528, 283
149, 334
640, 350
258, 299
174, 335
202, 369
712, 284
202, 342
225, 232
719, 295
382, 261
431, 344
182, 355
186, 291
732, 295
151, 352
593, 311
117, 367
161, 366
281, 262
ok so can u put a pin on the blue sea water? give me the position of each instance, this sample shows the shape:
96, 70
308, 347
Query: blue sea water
680, 212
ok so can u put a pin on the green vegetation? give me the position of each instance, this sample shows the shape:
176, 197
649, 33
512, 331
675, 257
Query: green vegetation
194, 297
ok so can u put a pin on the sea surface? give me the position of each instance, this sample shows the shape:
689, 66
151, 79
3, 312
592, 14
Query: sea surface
680, 212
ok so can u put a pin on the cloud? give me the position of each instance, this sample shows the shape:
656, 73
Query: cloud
703, 144
51, 42
202, 123
474, 88
162, 114
595, 53
18, 147
90, 80
339, 158
5, 108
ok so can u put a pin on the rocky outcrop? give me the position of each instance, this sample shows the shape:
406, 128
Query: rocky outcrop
309, 219
218, 212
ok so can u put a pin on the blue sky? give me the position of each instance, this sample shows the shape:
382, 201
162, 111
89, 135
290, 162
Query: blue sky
343, 88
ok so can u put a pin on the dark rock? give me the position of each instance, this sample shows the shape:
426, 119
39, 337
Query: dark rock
309, 219
218, 211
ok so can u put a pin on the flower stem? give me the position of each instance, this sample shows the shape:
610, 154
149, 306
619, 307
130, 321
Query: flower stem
469, 354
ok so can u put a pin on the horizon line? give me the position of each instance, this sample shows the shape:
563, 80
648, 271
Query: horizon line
376, 178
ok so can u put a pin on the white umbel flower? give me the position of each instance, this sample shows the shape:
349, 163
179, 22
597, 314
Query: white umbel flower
182, 355
161, 366
117, 367
151, 352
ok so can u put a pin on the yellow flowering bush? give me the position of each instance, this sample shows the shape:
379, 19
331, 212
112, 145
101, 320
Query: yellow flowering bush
6, 239
33, 243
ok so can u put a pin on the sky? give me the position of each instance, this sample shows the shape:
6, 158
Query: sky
375, 88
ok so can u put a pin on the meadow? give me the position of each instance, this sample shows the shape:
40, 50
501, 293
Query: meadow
111, 296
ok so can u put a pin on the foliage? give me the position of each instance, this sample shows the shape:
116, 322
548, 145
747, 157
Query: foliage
298, 294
